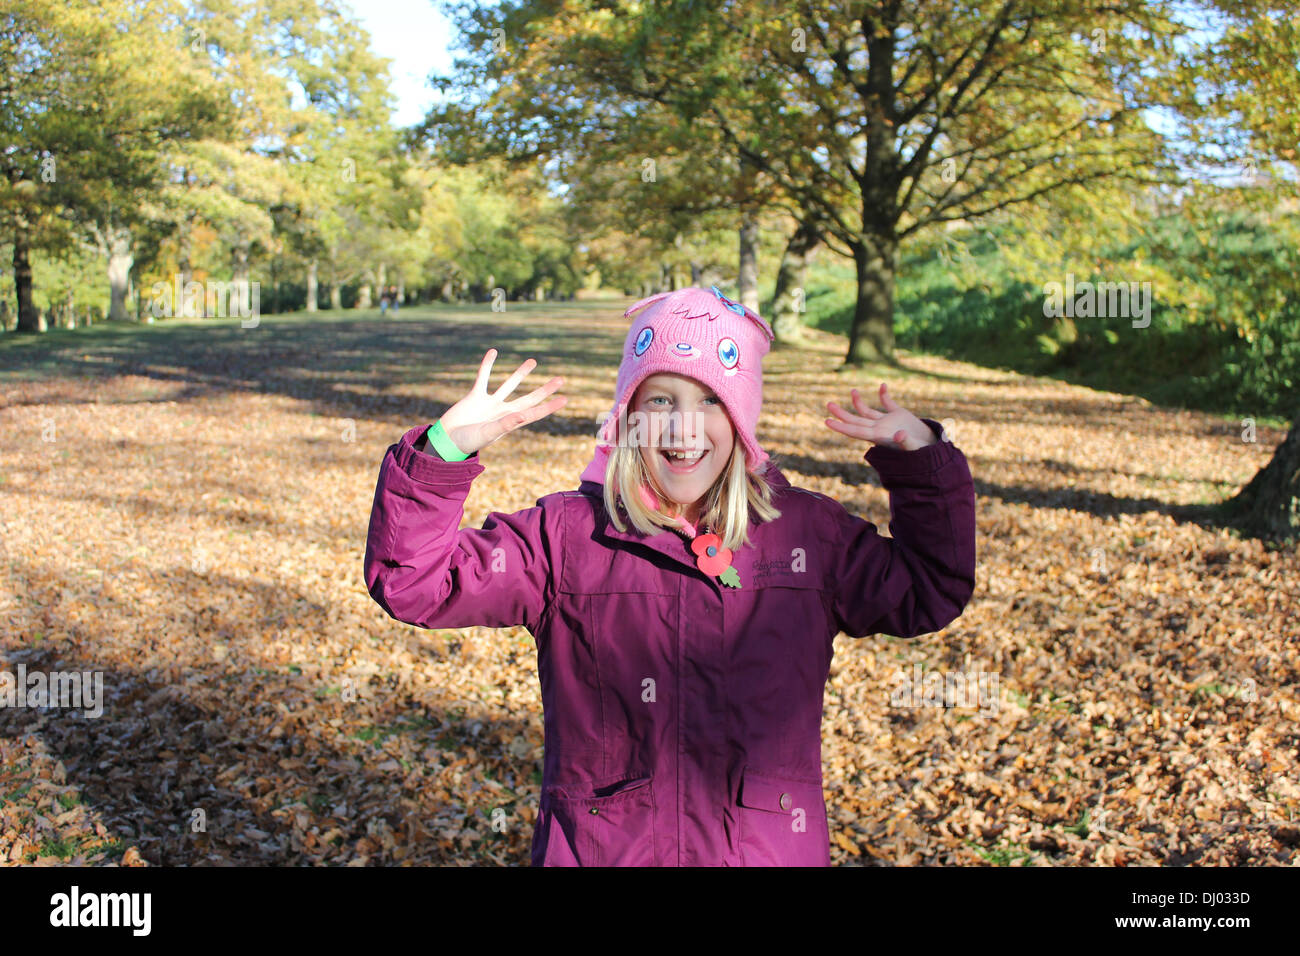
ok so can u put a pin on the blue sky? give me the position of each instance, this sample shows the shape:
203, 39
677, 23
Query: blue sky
417, 38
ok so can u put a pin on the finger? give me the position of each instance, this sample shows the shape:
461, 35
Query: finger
541, 411
485, 370
865, 431
536, 395
515, 420
515, 378
845, 415
887, 400
862, 407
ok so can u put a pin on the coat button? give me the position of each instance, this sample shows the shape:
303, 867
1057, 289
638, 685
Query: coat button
595, 809
785, 801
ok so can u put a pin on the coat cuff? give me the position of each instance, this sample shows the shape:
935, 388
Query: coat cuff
431, 469
895, 462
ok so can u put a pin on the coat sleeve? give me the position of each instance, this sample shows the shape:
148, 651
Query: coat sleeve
423, 570
920, 579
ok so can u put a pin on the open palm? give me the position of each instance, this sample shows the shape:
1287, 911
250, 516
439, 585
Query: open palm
895, 427
479, 418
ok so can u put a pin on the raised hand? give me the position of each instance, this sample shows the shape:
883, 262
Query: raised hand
479, 419
895, 427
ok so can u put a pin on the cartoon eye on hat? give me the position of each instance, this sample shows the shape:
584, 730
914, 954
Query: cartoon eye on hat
643, 340
685, 350
729, 355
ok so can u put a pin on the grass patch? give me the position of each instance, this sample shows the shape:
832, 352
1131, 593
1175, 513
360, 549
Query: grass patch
376, 734
1004, 855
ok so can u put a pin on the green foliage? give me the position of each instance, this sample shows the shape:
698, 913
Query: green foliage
1224, 330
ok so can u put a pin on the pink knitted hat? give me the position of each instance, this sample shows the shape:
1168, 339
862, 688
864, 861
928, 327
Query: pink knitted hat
701, 334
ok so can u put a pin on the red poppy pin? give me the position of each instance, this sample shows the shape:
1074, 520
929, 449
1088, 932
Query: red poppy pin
714, 560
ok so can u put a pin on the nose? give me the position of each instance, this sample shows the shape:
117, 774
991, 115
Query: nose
683, 428
679, 429
674, 429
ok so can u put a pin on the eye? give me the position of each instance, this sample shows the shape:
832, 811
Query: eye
728, 353
643, 340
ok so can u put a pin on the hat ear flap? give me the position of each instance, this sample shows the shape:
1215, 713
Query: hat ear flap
644, 302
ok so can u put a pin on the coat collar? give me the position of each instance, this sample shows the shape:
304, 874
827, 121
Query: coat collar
671, 544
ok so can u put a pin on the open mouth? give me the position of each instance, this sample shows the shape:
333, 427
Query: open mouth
682, 462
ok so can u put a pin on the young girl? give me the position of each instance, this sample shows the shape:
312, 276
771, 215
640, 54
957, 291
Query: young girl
686, 598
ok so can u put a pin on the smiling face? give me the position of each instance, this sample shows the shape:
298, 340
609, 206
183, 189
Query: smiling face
685, 415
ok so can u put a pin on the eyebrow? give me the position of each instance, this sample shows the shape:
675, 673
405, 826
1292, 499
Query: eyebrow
659, 390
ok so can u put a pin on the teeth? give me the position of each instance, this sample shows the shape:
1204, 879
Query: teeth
683, 456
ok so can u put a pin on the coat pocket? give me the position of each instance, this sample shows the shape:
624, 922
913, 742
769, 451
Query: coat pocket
610, 823
782, 820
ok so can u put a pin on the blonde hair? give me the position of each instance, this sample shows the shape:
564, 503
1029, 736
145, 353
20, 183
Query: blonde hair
726, 507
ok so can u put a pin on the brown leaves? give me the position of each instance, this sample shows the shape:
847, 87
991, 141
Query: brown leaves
204, 552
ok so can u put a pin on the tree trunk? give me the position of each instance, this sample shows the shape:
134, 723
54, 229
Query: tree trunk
788, 304
667, 281
312, 285
120, 261
187, 308
748, 275
1269, 507
747, 267
29, 320
871, 337
336, 294
239, 301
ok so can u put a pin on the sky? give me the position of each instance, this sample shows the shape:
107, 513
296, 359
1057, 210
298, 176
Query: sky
417, 38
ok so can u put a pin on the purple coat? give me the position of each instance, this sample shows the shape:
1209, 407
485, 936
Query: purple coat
682, 717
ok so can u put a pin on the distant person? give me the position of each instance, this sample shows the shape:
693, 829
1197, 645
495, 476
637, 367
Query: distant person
383, 302
685, 599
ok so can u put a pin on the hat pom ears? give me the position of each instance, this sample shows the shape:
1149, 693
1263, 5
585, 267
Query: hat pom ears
741, 309
644, 302
738, 307
761, 323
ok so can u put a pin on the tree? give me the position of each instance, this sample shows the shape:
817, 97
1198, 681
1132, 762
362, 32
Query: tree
1244, 105
629, 164
83, 124
877, 120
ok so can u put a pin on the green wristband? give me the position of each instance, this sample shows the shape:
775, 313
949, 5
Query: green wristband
443, 445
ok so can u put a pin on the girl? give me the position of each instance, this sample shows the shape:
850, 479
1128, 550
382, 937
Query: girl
686, 598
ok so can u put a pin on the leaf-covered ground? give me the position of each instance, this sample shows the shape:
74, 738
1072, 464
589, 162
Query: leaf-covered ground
184, 507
